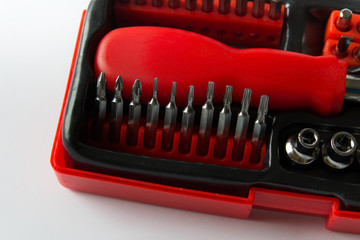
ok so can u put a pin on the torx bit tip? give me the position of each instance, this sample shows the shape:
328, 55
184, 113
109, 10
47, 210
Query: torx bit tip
228, 94
136, 91
343, 22
210, 91
263, 105
245, 102
342, 46
101, 87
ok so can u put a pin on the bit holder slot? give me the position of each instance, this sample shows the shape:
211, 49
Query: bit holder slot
228, 28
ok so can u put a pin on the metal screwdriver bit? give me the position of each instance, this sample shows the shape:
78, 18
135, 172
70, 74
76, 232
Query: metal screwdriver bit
190, 5
275, 9
224, 6
258, 136
223, 125
187, 124
174, 4
167, 137
342, 46
157, 3
241, 7
117, 108
241, 127
343, 22
134, 115
356, 54
258, 8
207, 5
152, 118
206, 119
99, 107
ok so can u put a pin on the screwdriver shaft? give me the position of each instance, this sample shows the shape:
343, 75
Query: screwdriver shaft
134, 115
206, 119
344, 20
223, 125
258, 136
224, 6
258, 8
117, 106
152, 118
100, 107
275, 9
187, 124
241, 127
342, 46
207, 5
167, 137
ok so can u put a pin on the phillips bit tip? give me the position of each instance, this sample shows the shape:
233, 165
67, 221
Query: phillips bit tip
117, 106
118, 88
101, 87
343, 22
136, 91
342, 46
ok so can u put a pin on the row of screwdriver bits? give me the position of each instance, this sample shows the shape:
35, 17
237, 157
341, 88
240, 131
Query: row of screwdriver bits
338, 153
187, 122
224, 7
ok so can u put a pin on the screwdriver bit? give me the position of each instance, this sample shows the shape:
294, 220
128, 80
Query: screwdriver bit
99, 107
275, 9
152, 118
117, 108
206, 119
223, 125
241, 7
174, 4
190, 5
258, 136
343, 22
258, 8
342, 46
241, 127
167, 137
187, 124
207, 5
224, 6
134, 115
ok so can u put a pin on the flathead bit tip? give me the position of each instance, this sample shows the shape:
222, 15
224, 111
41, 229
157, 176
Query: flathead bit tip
155, 88
173, 92
191, 95
228, 94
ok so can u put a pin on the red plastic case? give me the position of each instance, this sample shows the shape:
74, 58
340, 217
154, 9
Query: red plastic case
199, 201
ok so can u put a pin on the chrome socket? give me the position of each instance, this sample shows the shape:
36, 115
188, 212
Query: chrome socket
303, 148
339, 153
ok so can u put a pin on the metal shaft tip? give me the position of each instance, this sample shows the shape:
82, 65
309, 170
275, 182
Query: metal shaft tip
101, 86
245, 102
342, 46
275, 9
228, 94
191, 95
210, 91
136, 91
155, 88
263, 105
118, 87
173, 92
343, 22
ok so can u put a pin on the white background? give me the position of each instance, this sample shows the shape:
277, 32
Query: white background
37, 41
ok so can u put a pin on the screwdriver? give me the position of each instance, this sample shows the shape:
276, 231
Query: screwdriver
292, 80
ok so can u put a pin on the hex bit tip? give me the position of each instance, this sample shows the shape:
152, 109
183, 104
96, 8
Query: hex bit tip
344, 19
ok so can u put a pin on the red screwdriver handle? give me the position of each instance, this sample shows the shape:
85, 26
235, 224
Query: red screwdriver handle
291, 80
